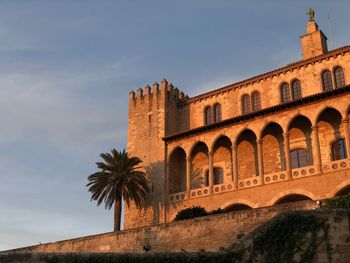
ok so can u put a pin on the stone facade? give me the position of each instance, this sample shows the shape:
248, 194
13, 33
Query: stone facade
278, 137
209, 233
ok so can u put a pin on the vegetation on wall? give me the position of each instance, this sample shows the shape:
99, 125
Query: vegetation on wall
290, 237
191, 212
337, 202
196, 211
219, 257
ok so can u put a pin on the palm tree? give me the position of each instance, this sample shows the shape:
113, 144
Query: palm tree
119, 178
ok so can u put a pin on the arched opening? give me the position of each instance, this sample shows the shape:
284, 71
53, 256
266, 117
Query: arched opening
344, 191
296, 89
245, 104
177, 171
199, 164
300, 142
256, 101
217, 112
285, 93
273, 149
292, 198
331, 133
223, 157
237, 207
327, 82
339, 78
247, 158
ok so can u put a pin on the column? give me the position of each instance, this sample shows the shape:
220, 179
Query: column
260, 160
316, 149
166, 191
347, 136
166, 183
235, 166
188, 176
211, 171
287, 154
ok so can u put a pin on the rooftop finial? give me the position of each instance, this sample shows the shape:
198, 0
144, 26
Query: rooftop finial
311, 14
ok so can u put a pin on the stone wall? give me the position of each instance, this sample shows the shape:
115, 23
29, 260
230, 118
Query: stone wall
210, 233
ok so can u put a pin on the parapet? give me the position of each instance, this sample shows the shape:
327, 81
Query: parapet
157, 92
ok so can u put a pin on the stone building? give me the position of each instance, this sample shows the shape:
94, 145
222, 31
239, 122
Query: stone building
275, 138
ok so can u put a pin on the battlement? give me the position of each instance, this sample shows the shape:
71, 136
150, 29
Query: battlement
157, 92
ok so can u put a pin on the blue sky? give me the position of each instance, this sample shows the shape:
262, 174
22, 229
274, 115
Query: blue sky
66, 68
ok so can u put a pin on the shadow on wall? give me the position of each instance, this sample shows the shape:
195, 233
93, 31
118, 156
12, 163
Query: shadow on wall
197, 179
154, 200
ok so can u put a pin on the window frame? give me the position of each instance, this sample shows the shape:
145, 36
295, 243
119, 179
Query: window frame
330, 82
339, 79
246, 105
217, 113
333, 154
255, 101
299, 160
296, 88
208, 118
218, 178
284, 88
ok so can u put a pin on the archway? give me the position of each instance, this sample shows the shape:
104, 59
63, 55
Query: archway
223, 158
292, 198
237, 207
331, 135
247, 158
273, 148
199, 164
177, 171
300, 142
343, 191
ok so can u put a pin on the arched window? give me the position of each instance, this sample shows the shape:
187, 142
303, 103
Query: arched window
327, 80
245, 104
339, 77
285, 93
256, 102
207, 115
218, 176
217, 112
338, 150
299, 158
296, 90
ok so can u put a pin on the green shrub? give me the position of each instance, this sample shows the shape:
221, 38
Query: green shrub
216, 211
191, 212
288, 235
337, 202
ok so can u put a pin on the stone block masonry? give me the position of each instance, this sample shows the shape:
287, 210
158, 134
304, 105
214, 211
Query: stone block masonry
210, 233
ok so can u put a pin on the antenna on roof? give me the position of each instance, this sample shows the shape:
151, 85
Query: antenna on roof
331, 31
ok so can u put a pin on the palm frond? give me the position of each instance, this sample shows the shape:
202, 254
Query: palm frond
120, 176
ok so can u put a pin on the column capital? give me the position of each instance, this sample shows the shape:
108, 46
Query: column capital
259, 141
188, 159
211, 153
286, 134
315, 127
345, 120
234, 147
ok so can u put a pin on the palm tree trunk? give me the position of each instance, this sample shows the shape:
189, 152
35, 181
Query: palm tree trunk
117, 214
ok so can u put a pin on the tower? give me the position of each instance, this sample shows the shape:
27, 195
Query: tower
153, 114
314, 42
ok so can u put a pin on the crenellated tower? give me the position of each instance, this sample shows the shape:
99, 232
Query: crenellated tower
153, 114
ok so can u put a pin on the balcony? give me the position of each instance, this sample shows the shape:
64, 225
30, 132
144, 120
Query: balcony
255, 181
